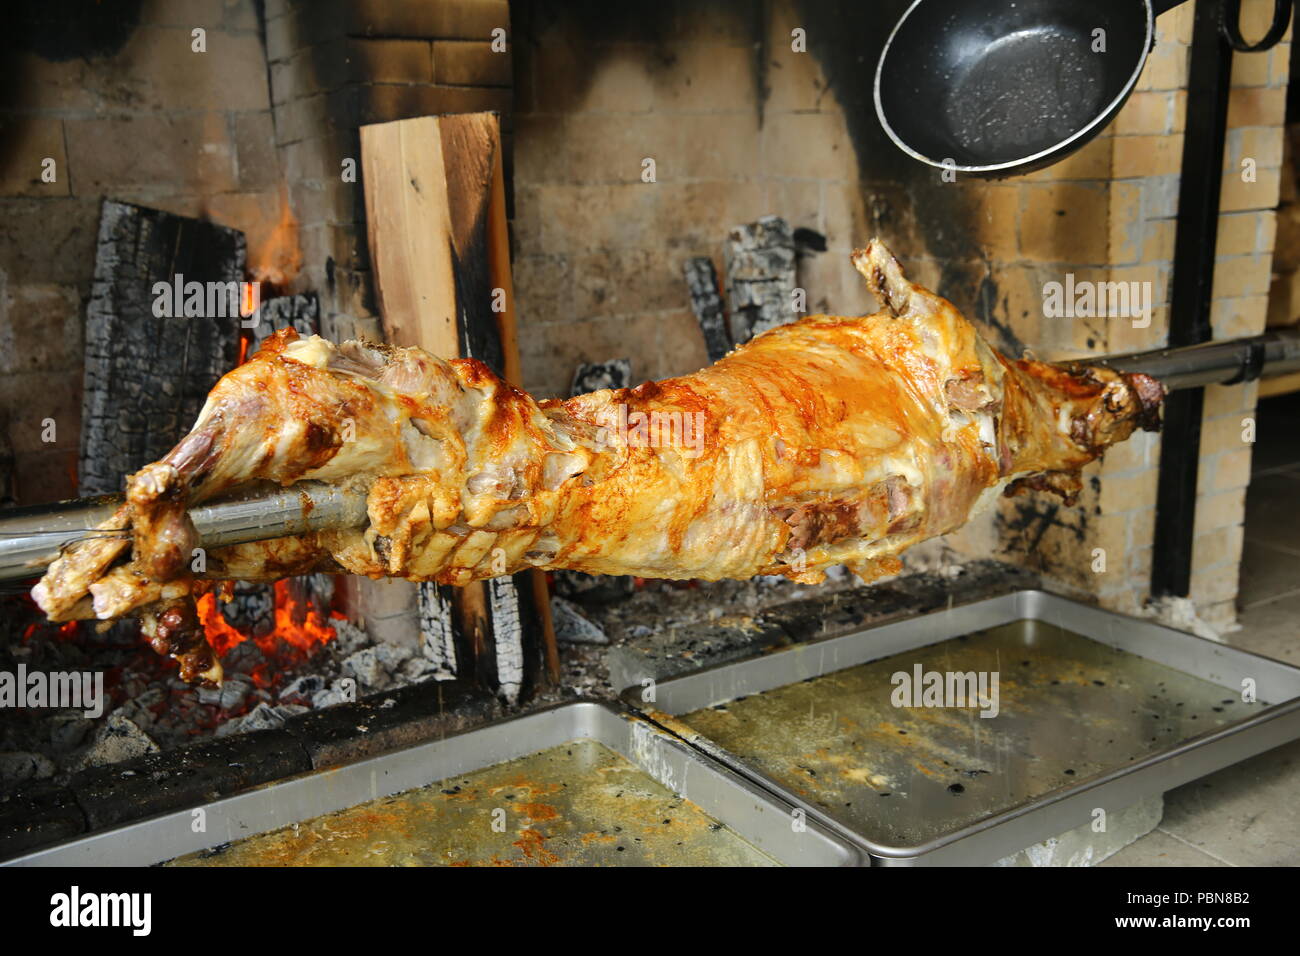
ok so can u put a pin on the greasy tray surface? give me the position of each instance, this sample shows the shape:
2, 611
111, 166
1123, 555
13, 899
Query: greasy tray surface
523, 758
578, 804
829, 743
1070, 708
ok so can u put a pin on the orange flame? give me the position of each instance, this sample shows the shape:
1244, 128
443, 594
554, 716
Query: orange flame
220, 634
298, 625
312, 632
278, 259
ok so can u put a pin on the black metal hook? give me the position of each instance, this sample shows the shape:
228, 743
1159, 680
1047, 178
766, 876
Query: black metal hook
1231, 26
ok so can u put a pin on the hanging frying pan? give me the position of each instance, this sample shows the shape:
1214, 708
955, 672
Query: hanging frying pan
1004, 88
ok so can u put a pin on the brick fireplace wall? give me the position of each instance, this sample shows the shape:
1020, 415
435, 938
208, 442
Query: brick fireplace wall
1145, 153
598, 252
131, 114
740, 126
336, 65
1242, 277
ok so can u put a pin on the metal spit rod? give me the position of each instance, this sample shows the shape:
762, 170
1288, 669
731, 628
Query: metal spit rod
30, 538
1215, 363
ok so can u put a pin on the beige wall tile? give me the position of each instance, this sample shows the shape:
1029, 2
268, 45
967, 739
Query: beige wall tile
30, 144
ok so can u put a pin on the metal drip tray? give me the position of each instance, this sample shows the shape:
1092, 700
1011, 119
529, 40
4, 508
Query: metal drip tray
1092, 710
577, 784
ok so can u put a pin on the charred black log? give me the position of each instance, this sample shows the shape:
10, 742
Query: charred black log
760, 263
702, 283
162, 326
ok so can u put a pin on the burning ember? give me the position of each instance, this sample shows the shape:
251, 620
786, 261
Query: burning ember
252, 299
300, 628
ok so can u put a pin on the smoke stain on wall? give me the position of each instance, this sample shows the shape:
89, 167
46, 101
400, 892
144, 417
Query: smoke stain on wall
906, 201
59, 30
594, 26
909, 197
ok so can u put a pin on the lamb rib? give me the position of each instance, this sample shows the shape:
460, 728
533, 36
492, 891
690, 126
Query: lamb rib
826, 441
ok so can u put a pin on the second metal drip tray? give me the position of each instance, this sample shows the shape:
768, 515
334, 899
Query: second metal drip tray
963, 736
577, 784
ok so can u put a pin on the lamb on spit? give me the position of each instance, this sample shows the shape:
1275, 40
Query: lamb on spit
826, 441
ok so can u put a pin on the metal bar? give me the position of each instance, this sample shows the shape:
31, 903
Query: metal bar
1209, 75
1216, 363
31, 538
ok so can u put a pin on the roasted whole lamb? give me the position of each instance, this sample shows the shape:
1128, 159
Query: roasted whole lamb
826, 441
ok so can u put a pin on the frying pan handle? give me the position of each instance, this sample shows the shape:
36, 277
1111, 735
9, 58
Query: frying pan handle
1232, 26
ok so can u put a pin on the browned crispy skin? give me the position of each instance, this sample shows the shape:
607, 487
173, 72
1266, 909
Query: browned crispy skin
827, 441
